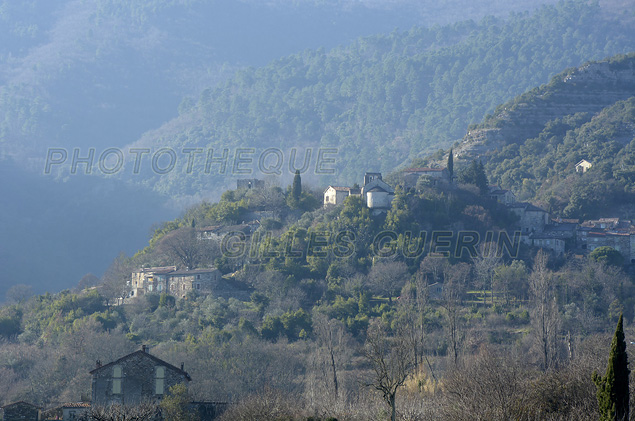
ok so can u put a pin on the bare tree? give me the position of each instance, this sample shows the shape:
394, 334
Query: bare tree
391, 361
183, 246
488, 387
454, 285
485, 264
412, 307
388, 276
545, 319
115, 280
328, 337
116, 412
19, 293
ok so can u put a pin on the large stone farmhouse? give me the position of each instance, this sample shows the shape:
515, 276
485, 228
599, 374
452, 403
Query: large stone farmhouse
180, 282
135, 378
175, 282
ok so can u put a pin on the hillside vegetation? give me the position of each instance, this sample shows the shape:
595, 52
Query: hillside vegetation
384, 99
533, 143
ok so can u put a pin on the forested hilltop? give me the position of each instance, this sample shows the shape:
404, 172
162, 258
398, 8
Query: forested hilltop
384, 99
533, 143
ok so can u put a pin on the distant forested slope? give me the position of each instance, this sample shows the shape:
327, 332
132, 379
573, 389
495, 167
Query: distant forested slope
385, 99
532, 143
100, 73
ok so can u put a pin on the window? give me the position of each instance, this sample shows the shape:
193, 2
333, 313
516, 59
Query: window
198, 276
198, 286
116, 380
159, 381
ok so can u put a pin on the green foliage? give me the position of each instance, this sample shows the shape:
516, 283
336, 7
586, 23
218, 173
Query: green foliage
10, 320
296, 189
166, 300
612, 388
294, 325
607, 255
174, 406
474, 174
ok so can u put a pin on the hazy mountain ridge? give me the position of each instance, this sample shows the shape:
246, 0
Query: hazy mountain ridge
386, 99
79, 73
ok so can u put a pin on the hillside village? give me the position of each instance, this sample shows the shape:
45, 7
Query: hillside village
534, 225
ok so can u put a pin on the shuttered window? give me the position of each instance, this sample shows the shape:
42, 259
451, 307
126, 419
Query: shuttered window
159, 382
116, 380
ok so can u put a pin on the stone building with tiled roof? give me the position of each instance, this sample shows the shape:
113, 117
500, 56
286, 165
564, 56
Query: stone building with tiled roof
135, 378
20, 411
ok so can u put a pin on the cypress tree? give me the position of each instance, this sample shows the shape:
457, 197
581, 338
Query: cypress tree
481, 178
612, 393
296, 190
451, 164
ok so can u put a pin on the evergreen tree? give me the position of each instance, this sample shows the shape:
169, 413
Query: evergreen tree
474, 174
296, 190
481, 178
295, 195
451, 164
612, 393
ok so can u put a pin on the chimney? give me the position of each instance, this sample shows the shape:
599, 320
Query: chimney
182, 366
144, 348
98, 364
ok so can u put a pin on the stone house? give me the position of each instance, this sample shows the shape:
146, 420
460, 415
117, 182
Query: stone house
583, 166
530, 218
135, 378
175, 282
147, 280
335, 195
505, 197
411, 175
545, 241
623, 242
21, 411
180, 282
